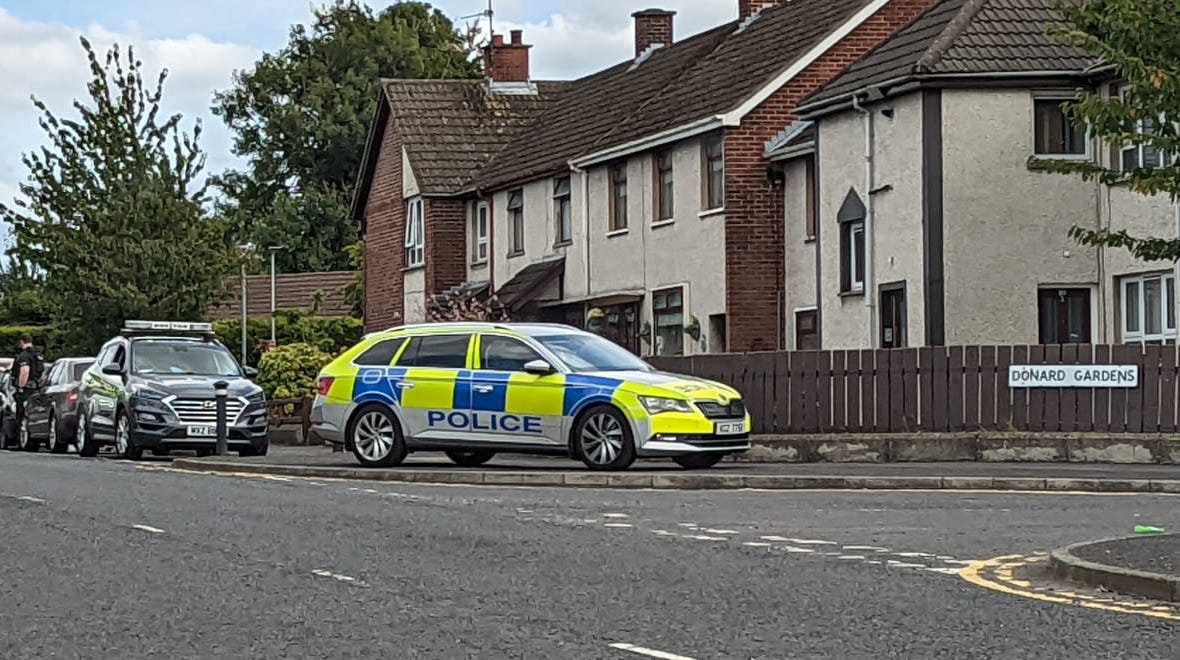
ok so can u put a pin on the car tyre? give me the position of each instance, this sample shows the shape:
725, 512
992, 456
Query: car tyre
25, 439
54, 441
473, 458
124, 445
84, 440
376, 437
702, 461
602, 439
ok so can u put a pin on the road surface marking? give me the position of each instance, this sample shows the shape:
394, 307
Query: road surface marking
791, 548
662, 532
616, 525
369, 490
727, 532
945, 571
29, 498
702, 537
687, 525
148, 528
902, 564
757, 544
774, 538
913, 554
866, 548
335, 576
615, 515
811, 542
851, 557
651, 653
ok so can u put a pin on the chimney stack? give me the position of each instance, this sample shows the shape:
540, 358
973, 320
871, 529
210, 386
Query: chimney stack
507, 62
652, 27
747, 8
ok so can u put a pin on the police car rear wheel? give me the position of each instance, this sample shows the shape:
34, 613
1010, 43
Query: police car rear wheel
474, 458
602, 440
377, 439
124, 446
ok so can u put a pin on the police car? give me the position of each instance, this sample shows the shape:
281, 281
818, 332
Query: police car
472, 390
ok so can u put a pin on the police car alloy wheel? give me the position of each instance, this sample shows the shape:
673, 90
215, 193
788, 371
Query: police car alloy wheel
602, 440
377, 439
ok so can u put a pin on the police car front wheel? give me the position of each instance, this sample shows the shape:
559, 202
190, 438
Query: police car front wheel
602, 439
473, 458
377, 439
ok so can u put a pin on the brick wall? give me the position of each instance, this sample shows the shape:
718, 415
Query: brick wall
385, 234
446, 244
754, 207
652, 26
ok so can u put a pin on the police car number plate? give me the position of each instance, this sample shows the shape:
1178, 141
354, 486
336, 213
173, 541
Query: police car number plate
730, 428
202, 431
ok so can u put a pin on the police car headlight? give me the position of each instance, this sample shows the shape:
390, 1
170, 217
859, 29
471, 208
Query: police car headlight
656, 405
146, 394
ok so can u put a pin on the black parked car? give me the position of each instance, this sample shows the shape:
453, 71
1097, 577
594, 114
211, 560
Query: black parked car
152, 387
51, 411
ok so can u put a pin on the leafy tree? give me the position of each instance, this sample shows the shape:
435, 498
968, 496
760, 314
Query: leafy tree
301, 117
1140, 39
22, 299
113, 214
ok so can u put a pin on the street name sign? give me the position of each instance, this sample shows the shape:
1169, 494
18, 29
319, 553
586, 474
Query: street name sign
1073, 375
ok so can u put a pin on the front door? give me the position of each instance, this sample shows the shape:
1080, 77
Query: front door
433, 392
509, 405
108, 388
893, 320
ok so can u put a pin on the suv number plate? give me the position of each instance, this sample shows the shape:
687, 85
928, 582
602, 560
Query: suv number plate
730, 428
202, 431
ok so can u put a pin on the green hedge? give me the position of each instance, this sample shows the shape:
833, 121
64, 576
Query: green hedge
290, 371
331, 335
44, 338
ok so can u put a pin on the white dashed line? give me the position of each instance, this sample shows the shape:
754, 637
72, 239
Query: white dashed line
29, 498
335, 576
148, 528
687, 525
369, 490
776, 539
946, 571
651, 653
914, 554
662, 532
959, 561
811, 542
616, 525
902, 564
702, 537
851, 557
757, 544
791, 548
866, 548
727, 532
615, 515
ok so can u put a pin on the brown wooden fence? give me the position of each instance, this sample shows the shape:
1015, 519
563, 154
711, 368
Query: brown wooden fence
941, 389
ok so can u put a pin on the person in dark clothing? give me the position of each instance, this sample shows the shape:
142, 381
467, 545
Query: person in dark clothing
26, 374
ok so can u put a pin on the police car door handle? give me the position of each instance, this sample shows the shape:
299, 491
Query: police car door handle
405, 386
483, 389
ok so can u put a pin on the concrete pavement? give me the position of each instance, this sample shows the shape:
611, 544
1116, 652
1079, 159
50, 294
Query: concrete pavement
109, 559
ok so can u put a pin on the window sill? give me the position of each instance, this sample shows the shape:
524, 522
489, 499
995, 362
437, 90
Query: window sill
709, 213
477, 265
408, 269
513, 255
855, 293
617, 232
809, 239
561, 244
663, 223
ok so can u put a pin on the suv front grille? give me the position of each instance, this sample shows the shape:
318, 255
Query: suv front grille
196, 411
714, 410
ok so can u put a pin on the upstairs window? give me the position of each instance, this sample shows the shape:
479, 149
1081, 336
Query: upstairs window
618, 197
563, 210
516, 214
479, 231
1054, 132
714, 174
415, 233
810, 208
1145, 156
664, 188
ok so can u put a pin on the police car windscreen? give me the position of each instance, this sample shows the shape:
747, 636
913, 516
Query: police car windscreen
182, 358
592, 353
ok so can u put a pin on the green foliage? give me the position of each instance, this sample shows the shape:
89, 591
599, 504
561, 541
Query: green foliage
301, 117
290, 371
445, 308
22, 299
112, 218
1140, 39
354, 292
328, 334
44, 338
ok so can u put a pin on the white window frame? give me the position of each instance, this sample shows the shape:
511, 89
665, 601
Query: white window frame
1140, 335
480, 229
415, 232
563, 199
1139, 149
1060, 97
516, 246
856, 278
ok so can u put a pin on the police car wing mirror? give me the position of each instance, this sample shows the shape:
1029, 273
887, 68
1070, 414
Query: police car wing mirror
538, 367
112, 369
251, 372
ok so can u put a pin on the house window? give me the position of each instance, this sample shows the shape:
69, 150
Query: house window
618, 197
479, 233
415, 233
516, 213
1148, 305
810, 208
563, 211
668, 310
1054, 132
1133, 156
665, 207
1064, 315
852, 257
714, 174
807, 330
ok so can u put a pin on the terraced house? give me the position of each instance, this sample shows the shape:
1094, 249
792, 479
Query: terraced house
643, 190
916, 211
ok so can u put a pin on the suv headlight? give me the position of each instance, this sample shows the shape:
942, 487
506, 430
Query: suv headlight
656, 405
146, 394
256, 397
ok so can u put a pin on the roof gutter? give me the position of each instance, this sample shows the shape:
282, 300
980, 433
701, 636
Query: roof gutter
699, 127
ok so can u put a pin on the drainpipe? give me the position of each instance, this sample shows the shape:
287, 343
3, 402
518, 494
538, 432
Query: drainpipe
1176, 284
869, 288
585, 177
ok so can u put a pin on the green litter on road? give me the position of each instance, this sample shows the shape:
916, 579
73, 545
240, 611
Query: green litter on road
1148, 529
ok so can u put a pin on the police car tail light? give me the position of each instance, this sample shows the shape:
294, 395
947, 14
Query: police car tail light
72, 397
324, 385
655, 405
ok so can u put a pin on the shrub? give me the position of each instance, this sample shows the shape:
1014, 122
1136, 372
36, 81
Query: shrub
45, 338
329, 334
290, 371
443, 308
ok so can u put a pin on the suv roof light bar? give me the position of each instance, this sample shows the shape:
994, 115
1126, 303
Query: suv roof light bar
139, 327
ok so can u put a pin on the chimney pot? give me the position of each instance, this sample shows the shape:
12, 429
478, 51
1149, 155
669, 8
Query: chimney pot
517, 36
497, 40
652, 26
507, 62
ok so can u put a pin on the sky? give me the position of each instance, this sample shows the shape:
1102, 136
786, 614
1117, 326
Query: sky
203, 42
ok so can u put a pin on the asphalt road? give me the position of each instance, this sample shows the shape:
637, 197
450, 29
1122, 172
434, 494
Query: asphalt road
108, 560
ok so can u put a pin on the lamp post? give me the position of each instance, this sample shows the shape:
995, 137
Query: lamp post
245, 248
272, 249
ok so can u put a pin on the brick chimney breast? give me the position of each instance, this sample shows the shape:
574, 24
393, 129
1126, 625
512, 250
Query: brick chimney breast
747, 8
507, 62
652, 27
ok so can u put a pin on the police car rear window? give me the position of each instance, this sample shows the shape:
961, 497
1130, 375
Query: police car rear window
438, 351
380, 354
